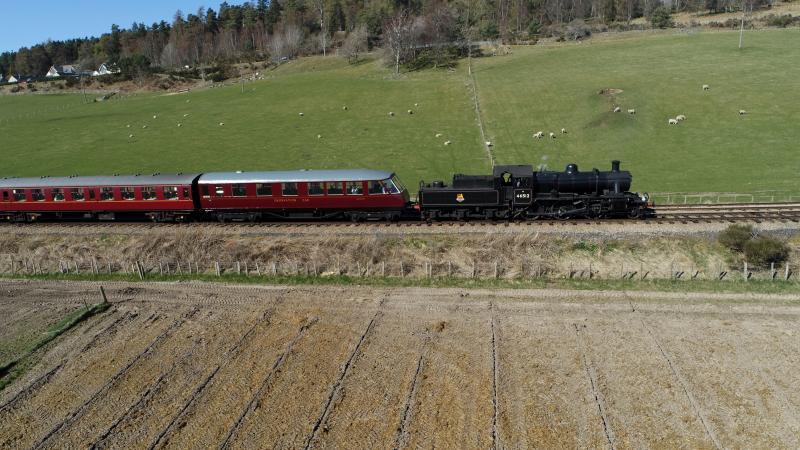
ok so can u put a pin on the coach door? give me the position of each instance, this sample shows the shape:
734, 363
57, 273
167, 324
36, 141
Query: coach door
5, 196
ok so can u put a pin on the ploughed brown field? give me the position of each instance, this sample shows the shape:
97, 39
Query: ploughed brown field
221, 366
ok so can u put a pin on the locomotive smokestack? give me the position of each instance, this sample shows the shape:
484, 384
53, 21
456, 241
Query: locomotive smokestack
615, 165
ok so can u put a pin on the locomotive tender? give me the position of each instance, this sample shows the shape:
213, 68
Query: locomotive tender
518, 192
511, 192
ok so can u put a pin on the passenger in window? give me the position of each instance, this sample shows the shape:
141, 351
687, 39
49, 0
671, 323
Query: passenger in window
239, 190
77, 195
289, 188
334, 188
315, 189
57, 194
148, 193
376, 187
107, 194
19, 195
170, 193
354, 188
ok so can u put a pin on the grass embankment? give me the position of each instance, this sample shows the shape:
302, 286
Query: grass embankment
15, 368
658, 285
659, 74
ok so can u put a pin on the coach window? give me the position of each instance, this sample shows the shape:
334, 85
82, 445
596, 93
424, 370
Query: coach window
170, 192
37, 195
57, 195
5, 196
289, 189
377, 187
186, 193
106, 193
77, 194
148, 193
334, 188
204, 190
127, 193
263, 189
355, 188
315, 189
239, 190
19, 195
219, 191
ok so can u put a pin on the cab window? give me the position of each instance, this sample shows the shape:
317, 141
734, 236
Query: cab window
170, 192
239, 190
289, 189
107, 193
37, 195
263, 189
334, 188
377, 187
77, 194
148, 193
355, 188
315, 189
127, 193
19, 195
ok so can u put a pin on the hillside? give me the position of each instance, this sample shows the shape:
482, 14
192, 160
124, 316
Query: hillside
536, 88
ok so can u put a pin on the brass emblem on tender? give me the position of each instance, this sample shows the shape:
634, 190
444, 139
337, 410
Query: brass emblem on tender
459, 198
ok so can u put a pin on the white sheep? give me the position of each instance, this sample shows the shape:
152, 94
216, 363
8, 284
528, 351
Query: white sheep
706, 87
410, 111
344, 108
631, 111
563, 131
319, 136
186, 115
617, 109
130, 136
155, 117
673, 122
680, 117
488, 143
128, 126
391, 114
552, 135
180, 125
438, 134
539, 134
447, 142
221, 123
416, 104
301, 114
742, 112
144, 126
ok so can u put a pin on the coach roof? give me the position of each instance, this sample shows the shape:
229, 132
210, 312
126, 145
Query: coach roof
294, 176
116, 180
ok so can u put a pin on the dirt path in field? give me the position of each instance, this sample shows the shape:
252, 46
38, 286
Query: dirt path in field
195, 365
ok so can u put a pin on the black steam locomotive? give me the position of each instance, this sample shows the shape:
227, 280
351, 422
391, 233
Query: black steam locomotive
518, 192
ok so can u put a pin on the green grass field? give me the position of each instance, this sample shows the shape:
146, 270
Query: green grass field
536, 88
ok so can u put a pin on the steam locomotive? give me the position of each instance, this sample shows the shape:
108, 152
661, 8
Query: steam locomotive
519, 192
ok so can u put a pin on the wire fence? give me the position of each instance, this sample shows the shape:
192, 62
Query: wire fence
394, 269
701, 198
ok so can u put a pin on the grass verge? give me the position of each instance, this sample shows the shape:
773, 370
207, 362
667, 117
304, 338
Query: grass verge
15, 368
710, 286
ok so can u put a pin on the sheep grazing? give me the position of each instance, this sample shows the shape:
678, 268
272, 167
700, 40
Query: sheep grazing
301, 114
706, 87
617, 109
742, 112
416, 104
128, 126
410, 111
391, 114
673, 122
144, 126
680, 118
344, 108
563, 131
180, 125
552, 135
319, 136
488, 143
538, 135
447, 142
130, 136
631, 111
155, 117
186, 115
221, 123
438, 134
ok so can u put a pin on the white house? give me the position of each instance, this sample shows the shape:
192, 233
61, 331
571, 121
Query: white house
62, 71
11, 79
105, 69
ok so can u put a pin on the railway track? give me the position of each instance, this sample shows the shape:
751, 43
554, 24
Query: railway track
669, 214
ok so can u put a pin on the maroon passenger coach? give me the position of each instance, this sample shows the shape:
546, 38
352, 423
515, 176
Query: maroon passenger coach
157, 197
357, 194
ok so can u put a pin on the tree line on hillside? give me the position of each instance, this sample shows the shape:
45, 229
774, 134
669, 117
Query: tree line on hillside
280, 29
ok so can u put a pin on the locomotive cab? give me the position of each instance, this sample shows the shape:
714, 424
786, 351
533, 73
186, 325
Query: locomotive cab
515, 184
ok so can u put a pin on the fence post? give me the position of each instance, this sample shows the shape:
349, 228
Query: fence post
274, 268
238, 268
786, 271
402, 270
216, 268
496, 271
474, 268
449, 269
258, 269
745, 271
772, 273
